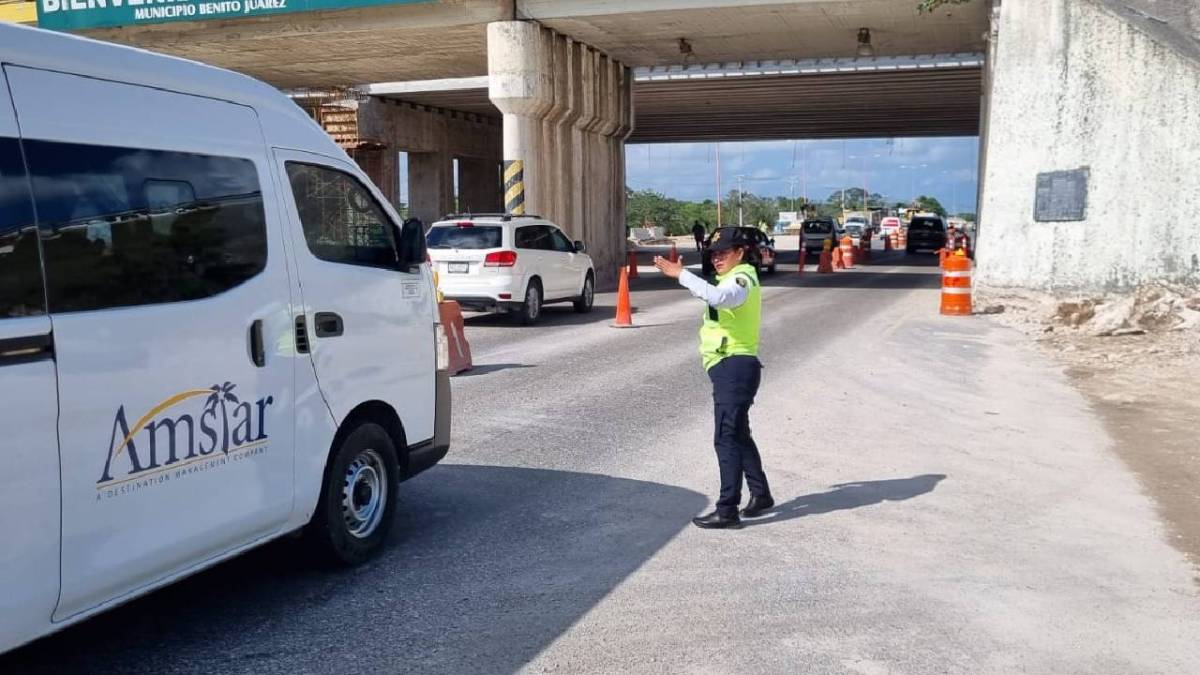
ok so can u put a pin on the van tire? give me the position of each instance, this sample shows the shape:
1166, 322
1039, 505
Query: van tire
584, 304
362, 467
531, 306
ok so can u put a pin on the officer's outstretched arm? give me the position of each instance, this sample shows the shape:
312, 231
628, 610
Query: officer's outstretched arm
730, 293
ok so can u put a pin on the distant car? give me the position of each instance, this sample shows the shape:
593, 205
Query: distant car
926, 232
816, 231
765, 255
504, 263
855, 231
890, 224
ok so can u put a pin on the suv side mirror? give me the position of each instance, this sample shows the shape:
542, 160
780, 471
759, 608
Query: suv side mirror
580, 247
410, 245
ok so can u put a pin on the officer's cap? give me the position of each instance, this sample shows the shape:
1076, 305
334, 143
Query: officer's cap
725, 238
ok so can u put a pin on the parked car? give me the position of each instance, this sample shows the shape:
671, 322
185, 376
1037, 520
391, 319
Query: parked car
245, 340
816, 231
506, 263
926, 232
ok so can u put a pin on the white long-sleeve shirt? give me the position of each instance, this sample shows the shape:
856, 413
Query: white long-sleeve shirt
725, 295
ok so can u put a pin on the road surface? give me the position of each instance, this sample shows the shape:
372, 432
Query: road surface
948, 503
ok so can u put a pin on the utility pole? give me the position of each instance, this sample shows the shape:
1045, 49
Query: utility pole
718, 184
739, 180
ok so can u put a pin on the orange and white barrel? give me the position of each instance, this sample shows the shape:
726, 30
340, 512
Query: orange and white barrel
956, 285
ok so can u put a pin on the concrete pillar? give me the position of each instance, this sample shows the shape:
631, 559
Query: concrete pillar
567, 112
479, 186
382, 166
520, 85
430, 185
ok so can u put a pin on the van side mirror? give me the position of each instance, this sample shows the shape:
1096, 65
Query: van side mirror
410, 245
580, 247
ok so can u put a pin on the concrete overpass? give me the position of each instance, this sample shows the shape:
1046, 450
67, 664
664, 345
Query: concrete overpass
553, 84
561, 85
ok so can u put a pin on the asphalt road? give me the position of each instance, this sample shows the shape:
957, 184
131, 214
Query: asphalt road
947, 504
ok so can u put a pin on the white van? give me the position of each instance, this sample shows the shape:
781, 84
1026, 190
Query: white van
214, 331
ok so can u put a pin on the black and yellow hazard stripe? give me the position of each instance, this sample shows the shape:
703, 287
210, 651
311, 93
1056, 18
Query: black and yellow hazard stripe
514, 187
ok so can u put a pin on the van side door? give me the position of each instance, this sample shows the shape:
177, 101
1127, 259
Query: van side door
29, 488
369, 323
172, 327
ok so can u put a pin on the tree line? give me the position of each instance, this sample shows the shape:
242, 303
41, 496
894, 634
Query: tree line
647, 208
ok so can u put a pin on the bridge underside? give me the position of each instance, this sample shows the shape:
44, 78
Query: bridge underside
865, 104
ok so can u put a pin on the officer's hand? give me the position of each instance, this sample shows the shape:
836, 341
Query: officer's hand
671, 269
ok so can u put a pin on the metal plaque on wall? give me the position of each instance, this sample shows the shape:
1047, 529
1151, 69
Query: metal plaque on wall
1061, 196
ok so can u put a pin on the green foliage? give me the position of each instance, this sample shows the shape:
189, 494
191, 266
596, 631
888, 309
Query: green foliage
647, 208
927, 6
930, 204
853, 200
969, 217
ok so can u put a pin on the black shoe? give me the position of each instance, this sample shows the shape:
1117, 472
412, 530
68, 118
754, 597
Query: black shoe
716, 521
758, 506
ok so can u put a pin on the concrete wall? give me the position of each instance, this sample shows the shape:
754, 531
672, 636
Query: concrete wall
1077, 85
434, 139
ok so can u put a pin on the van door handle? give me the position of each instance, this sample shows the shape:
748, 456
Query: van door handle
15, 351
328, 324
258, 353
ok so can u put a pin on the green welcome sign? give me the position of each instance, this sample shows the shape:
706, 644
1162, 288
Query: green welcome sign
83, 14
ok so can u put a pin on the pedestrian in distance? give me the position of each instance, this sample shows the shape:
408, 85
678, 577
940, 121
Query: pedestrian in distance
729, 349
698, 233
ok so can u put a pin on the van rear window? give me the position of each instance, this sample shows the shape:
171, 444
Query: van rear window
473, 237
818, 227
919, 225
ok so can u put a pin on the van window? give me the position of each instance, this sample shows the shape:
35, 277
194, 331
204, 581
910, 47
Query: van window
20, 264
342, 222
127, 226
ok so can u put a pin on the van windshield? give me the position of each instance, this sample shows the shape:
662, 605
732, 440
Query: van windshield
452, 236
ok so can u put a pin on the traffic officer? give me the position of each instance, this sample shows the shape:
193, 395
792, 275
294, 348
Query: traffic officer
729, 347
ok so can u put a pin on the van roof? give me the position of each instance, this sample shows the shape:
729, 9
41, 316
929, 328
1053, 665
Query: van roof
284, 123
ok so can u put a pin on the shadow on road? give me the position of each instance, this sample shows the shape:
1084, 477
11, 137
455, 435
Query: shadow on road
486, 566
846, 496
552, 315
492, 368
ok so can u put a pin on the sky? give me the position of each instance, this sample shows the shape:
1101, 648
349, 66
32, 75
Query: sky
892, 167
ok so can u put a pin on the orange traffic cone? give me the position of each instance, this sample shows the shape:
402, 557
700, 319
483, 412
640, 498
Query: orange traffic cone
825, 263
803, 255
838, 262
887, 242
631, 264
847, 246
624, 310
673, 256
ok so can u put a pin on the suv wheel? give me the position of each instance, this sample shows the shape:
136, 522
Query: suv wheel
531, 309
584, 304
358, 502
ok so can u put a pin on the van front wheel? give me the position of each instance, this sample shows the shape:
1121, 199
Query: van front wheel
358, 503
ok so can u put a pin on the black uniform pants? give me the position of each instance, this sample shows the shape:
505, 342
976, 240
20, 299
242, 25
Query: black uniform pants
735, 382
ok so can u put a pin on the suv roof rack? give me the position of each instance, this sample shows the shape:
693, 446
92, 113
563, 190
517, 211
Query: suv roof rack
501, 216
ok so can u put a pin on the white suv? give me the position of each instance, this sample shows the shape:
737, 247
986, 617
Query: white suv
506, 263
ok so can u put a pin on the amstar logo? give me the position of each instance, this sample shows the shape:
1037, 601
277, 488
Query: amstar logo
224, 424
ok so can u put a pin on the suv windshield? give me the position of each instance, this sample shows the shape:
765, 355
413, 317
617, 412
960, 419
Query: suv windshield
470, 237
854, 228
818, 227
